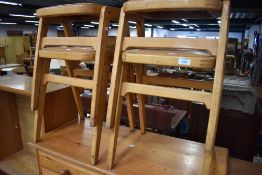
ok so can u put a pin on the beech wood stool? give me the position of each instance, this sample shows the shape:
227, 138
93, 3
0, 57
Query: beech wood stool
73, 50
174, 52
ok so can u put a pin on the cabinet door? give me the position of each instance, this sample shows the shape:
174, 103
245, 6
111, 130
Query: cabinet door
10, 136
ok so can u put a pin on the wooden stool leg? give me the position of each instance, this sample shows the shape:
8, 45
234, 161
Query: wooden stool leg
130, 99
130, 110
139, 74
70, 66
217, 90
101, 72
123, 31
38, 67
141, 99
40, 112
115, 130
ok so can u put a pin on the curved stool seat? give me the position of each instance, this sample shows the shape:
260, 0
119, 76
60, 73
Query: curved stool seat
178, 58
68, 53
70, 10
201, 8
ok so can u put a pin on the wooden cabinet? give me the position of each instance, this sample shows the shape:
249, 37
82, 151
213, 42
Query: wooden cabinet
236, 130
10, 133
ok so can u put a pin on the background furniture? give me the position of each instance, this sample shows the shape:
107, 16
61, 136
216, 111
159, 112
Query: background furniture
17, 119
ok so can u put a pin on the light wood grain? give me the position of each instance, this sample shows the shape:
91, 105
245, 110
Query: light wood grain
217, 89
171, 43
195, 59
185, 158
68, 53
70, 10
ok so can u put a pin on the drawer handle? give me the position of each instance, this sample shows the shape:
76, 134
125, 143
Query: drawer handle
65, 172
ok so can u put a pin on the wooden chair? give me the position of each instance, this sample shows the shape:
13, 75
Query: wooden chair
28, 53
73, 50
175, 52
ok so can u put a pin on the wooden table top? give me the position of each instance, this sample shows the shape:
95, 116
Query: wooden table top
22, 85
139, 154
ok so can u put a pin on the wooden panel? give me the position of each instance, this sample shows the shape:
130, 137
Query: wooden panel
175, 82
69, 41
58, 103
10, 136
178, 58
22, 85
180, 43
182, 94
68, 53
168, 5
68, 81
134, 152
70, 10
59, 166
20, 163
59, 109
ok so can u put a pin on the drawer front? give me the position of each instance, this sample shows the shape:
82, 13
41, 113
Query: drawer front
51, 165
45, 171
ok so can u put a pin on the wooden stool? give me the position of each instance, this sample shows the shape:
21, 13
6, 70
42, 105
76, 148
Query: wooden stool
73, 50
175, 52
28, 53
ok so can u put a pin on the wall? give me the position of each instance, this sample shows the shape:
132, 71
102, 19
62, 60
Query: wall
26, 29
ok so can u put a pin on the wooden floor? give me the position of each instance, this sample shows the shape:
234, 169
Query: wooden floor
137, 153
21, 163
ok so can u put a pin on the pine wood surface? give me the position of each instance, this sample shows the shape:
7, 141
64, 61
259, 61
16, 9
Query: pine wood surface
68, 53
136, 154
195, 59
22, 85
70, 10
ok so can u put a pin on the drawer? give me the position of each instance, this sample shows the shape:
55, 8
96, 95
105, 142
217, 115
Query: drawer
51, 165
45, 171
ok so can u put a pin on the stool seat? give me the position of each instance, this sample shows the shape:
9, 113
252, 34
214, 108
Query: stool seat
168, 57
70, 10
68, 53
171, 9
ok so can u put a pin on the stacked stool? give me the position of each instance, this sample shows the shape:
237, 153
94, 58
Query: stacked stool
174, 52
73, 50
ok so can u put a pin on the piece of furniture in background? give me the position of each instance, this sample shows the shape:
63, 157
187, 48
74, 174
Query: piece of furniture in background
5, 68
201, 54
28, 52
17, 119
73, 50
162, 119
236, 130
2, 54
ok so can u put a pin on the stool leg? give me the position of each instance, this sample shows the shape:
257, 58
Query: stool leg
123, 31
38, 67
70, 66
141, 99
101, 71
139, 74
115, 130
217, 90
39, 113
130, 110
